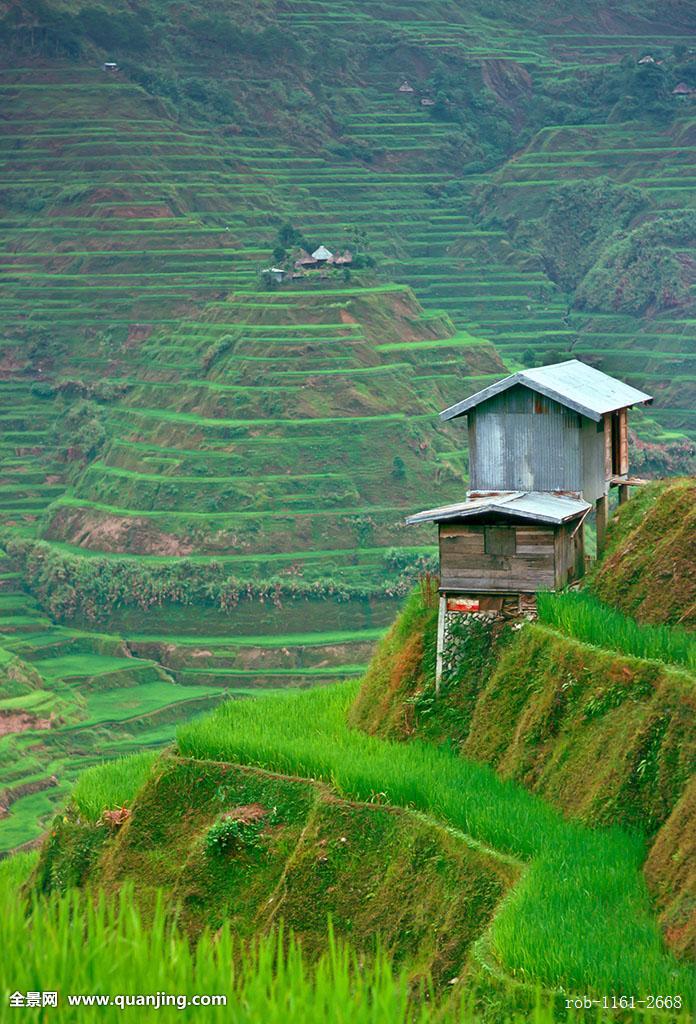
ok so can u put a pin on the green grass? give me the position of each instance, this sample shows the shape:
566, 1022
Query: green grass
574, 874
85, 665
270, 980
87, 271
113, 784
580, 614
134, 702
23, 821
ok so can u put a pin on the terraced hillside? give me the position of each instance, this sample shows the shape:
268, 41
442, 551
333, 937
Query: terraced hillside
219, 469
69, 699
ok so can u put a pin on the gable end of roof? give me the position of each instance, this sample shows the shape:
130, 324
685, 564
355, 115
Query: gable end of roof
574, 384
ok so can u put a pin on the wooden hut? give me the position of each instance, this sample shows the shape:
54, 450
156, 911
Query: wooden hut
561, 428
498, 550
545, 446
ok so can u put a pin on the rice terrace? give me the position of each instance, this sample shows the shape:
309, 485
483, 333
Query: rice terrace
348, 511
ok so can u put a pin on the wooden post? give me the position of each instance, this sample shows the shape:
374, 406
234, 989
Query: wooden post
441, 613
623, 494
601, 517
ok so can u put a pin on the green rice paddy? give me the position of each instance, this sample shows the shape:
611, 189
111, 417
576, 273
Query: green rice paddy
284, 432
574, 874
271, 980
583, 616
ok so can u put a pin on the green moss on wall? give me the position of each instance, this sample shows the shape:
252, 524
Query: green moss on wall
648, 568
313, 855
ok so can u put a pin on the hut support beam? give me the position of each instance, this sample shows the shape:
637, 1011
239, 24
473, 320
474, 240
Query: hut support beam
601, 512
623, 494
441, 613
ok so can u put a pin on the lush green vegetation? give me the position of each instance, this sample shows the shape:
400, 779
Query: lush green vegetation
582, 615
268, 980
105, 787
647, 570
574, 874
163, 405
72, 586
605, 736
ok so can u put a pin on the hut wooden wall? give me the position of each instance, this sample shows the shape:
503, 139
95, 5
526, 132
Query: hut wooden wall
465, 566
570, 554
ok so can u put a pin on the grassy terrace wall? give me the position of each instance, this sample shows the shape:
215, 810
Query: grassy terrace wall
647, 570
299, 854
606, 737
569, 873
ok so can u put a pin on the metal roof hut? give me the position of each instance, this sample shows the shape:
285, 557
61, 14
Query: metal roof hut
559, 428
545, 445
276, 274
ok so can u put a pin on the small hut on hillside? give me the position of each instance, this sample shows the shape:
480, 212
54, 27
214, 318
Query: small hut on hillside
545, 447
276, 274
322, 257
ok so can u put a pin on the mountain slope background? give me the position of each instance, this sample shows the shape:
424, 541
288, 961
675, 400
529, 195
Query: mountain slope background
528, 199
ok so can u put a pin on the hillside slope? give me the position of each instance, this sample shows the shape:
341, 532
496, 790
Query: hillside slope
651, 551
607, 737
224, 854
163, 184
294, 853
161, 402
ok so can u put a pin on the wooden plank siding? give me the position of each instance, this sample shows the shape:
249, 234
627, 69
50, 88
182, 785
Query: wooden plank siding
623, 442
608, 470
465, 566
616, 443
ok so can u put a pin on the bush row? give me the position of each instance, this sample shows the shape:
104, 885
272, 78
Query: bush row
70, 586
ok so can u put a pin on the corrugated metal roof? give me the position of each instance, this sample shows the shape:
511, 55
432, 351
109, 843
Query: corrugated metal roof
536, 505
322, 253
574, 384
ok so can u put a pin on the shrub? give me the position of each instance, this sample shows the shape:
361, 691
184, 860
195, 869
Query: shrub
227, 834
70, 586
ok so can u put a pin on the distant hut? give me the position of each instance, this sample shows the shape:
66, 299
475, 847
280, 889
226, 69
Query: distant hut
342, 259
647, 59
109, 65
406, 87
320, 258
322, 255
304, 261
276, 274
427, 102
682, 90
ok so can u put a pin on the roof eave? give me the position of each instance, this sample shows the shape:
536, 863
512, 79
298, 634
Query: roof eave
461, 408
502, 509
570, 403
